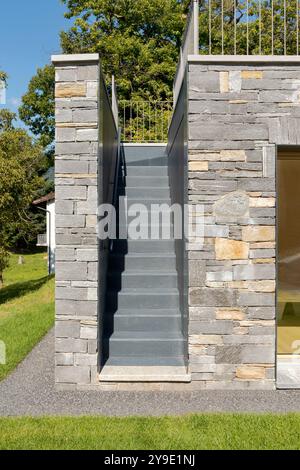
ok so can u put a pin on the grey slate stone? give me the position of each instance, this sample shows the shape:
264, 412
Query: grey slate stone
254, 272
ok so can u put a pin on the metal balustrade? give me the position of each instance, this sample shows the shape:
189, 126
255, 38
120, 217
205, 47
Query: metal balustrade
145, 121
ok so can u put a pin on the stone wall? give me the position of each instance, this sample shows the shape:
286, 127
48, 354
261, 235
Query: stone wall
237, 116
77, 194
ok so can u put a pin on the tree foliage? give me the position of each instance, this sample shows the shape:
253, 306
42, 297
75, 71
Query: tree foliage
37, 109
21, 160
138, 41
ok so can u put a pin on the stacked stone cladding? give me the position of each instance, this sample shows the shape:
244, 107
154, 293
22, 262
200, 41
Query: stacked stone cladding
238, 115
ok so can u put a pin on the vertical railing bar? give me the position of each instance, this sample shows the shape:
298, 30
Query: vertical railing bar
162, 121
297, 22
272, 14
137, 118
260, 29
284, 15
131, 135
196, 27
149, 134
235, 25
143, 121
156, 134
247, 27
209, 26
222, 26
124, 116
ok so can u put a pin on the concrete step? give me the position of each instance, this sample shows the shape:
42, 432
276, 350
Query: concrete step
142, 171
115, 373
143, 320
144, 246
146, 361
149, 202
142, 298
144, 155
146, 182
142, 280
145, 192
146, 263
144, 344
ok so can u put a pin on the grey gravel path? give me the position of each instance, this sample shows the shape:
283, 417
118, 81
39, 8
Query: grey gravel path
29, 391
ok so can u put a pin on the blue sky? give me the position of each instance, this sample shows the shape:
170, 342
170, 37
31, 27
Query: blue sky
29, 34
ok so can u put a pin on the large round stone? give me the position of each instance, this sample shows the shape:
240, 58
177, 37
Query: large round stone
232, 207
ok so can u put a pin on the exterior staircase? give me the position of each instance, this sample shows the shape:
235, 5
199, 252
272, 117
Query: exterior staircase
142, 332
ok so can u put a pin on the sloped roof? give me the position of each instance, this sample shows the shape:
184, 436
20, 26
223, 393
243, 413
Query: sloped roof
47, 198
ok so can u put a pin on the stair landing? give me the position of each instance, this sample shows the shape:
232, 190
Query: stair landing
144, 374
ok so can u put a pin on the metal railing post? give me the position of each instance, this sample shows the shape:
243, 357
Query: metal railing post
114, 100
196, 27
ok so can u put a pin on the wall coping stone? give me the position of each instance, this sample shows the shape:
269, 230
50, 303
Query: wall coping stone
238, 59
75, 58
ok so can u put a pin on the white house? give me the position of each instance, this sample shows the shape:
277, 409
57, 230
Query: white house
47, 204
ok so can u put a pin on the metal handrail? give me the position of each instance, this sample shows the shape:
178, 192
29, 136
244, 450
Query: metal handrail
189, 45
116, 180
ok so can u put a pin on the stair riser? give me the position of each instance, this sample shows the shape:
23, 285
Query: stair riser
142, 281
145, 193
132, 323
146, 182
122, 300
144, 246
142, 171
142, 264
145, 348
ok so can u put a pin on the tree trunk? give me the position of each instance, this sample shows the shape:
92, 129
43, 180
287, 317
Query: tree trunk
1, 280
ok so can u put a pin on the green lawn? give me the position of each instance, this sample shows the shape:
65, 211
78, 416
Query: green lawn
26, 308
193, 432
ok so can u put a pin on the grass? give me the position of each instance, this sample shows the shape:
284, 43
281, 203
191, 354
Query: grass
26, 308
195, 432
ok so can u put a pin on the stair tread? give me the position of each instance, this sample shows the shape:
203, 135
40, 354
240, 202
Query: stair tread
146, 361
146, 336
145, 312
142, 273
171, 373
145, 291
146, 255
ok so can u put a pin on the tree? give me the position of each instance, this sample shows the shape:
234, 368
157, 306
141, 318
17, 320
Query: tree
6, 119
3, 76
37, 109
138, 41
20, 162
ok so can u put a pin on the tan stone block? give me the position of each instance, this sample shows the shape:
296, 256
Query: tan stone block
258, 233
91, 220
231, 249
251, 373
240, 331
224, 82
198, 166
78, 125
259, 245
264, 261
202, 156
198, 340
233, 156
254, 194
252, 74
238, 102
70, 90
230, 314
262, 202
251, 323
253, 286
